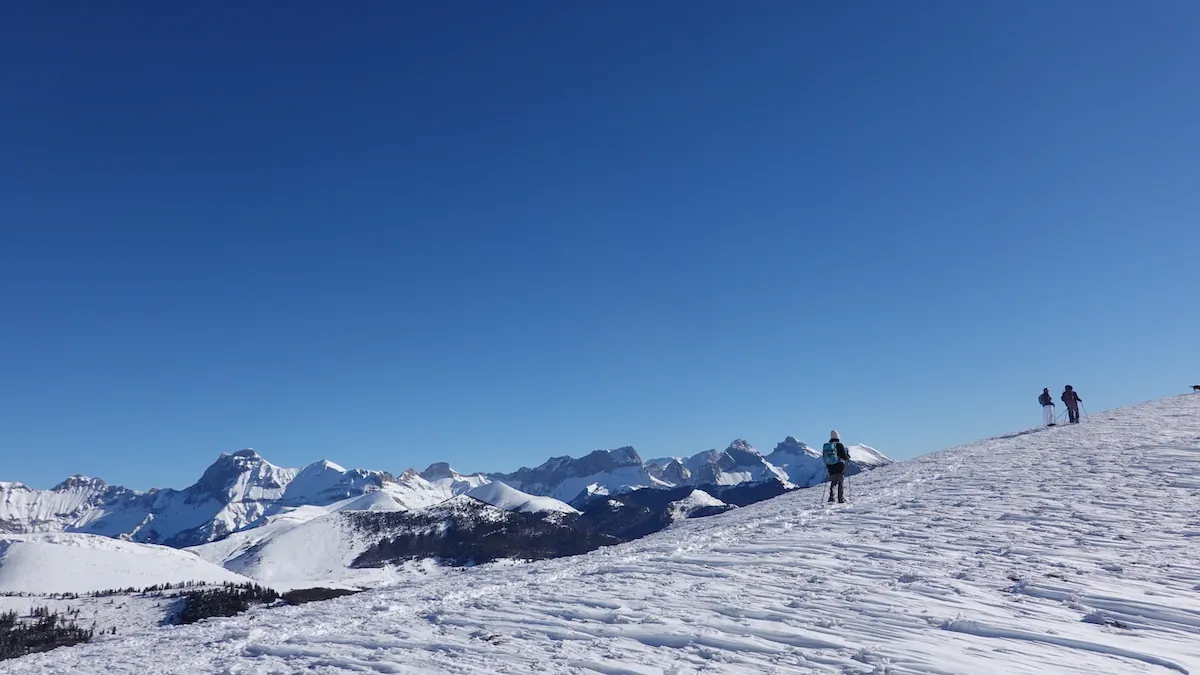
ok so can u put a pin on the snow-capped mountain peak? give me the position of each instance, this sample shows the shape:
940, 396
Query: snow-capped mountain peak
80, 482
804, 465
324, 482
598, 472
441, 475
739, 463
670, 470
242, 475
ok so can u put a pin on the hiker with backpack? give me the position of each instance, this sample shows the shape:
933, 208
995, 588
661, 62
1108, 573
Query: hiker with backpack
1071, 398
1047, 401
835, 455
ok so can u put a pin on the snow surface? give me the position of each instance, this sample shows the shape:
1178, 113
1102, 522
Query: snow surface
124, 612
510, 499
303, 547
82, 563
1067, 550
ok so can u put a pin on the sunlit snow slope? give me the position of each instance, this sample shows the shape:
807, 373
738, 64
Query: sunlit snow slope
82, 563
1068, 550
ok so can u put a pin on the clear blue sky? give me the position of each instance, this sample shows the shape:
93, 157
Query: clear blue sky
391, 233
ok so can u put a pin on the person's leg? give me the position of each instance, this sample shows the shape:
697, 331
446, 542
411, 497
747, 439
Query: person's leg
832, 479
840, 479
1047, 415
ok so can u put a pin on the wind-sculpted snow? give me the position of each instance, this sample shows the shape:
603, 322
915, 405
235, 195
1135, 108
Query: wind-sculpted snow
1069, 550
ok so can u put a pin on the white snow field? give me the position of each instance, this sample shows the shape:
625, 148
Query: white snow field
82, 563
1074, 549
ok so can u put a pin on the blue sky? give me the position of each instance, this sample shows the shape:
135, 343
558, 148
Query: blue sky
389, 234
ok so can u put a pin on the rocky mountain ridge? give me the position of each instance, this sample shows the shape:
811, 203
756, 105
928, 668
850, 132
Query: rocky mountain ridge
242, 490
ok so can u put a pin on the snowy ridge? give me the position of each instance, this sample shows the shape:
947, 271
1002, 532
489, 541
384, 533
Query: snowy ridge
504, 497
242, 490
441, 476
739, 463
973, 560
695, 502
568, 479
78, 502
238, 490
82, 563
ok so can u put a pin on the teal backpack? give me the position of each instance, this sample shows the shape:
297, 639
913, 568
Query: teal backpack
830, 455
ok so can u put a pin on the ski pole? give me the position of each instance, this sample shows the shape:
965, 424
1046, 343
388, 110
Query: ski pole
1084, 409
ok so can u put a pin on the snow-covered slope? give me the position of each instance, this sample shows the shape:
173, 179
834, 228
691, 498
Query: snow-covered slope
504, 497
325, 482
78, 503
82, 563
304, 546
318, 552
1068, 550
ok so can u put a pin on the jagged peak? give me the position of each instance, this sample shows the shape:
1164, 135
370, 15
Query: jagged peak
80, 481
625, 455
792, 444
438, 470
243, 465
742, 445
325, 465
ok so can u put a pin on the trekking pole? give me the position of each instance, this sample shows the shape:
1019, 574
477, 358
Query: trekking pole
1084, 409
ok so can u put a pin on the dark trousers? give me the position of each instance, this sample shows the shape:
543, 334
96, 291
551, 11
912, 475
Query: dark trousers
835, 479
1073, 413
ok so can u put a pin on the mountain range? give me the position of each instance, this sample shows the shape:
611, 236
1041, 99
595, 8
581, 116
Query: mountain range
243, 491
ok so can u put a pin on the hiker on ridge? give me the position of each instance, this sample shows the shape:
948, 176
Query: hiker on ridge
835, 455
1071, 398
1047, 402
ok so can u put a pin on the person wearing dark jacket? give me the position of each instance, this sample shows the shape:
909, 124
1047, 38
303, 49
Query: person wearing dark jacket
1071, 398
835, 455
1047, 401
